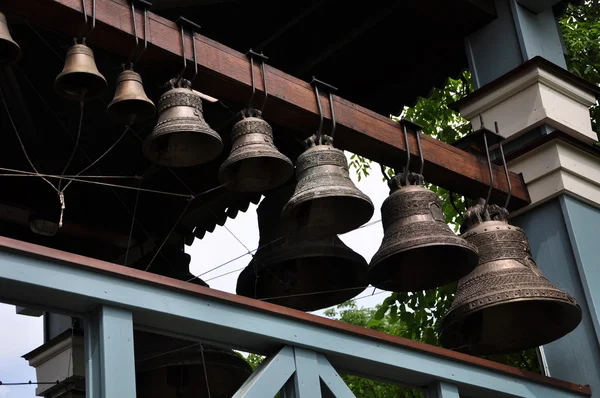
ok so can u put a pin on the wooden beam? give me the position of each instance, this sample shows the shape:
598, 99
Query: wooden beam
224, 74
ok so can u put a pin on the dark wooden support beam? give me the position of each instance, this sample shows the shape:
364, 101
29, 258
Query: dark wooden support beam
224, 73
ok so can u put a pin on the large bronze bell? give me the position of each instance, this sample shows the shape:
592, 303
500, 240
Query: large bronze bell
505, 304
130, 103
326, 201
254, 164
167, 367
419, 251
181, 138
303, 274
10, 52
80, 78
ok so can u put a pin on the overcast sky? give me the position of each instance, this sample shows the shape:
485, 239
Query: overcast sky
21, 334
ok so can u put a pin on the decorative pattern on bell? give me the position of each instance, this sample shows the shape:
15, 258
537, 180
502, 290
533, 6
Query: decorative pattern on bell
254, 164
419, 251
80, 78
130, 103
326, 201
10, 52
505, 304
181, 138
170, 367
303, 274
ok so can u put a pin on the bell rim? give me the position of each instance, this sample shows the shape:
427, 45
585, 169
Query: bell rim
467, 252
364, 211
284, 171
148, 110
149, 148
60, 89
452, 322
355, 262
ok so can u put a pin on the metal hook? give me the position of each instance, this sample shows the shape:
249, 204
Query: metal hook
418, 135
145, 5
251, 54
500, 146
333, 121
487, 153
315, 83
85, 18
406, 168
135, 34
181, 21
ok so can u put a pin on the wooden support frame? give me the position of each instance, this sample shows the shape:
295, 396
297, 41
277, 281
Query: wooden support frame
224, 73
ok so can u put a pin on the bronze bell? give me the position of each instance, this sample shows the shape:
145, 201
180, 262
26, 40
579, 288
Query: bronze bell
10, 52
170, 367
181, 138
254, 164
419, 251
326, 201
505, 304
80, 78
303, 274
130, 103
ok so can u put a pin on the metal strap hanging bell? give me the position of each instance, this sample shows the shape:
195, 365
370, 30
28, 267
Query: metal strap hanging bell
181, 137
254, 164
505, 304
326, 201
303, 274
80, 78
419, 251
130, 103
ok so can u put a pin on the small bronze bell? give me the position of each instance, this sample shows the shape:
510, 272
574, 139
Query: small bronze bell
80, 78
254, 164
505, 304
306, 275
10, 52
181, 138
419, 251
130, 103
326, 201
170, 367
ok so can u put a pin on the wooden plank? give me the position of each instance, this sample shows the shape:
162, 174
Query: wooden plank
224, 73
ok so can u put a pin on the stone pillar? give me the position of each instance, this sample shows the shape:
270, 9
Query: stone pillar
542, 111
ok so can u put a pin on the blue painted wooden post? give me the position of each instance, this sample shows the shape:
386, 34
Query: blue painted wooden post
442, 389
307, 382
570, 260
331, 379
271, 376
110, 366
516, 36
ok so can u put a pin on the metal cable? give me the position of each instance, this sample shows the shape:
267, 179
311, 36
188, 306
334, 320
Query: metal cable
169, 235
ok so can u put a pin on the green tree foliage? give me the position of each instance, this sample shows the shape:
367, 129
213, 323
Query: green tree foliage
580, 26
389, 323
